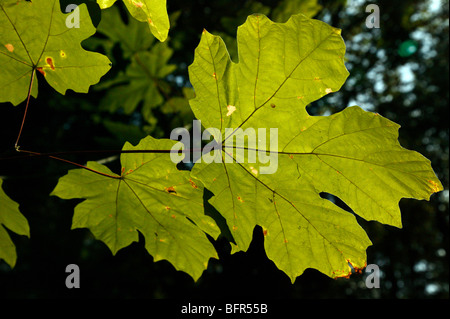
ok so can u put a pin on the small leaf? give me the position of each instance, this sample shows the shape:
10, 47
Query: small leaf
35, 37
143, 81
11, 218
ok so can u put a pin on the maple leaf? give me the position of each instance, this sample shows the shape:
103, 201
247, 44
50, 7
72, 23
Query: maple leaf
132, 36
353, 154
35, 37
150, 196
11, 218
143, 79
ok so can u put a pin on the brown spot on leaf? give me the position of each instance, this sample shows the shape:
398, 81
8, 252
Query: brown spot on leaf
272, 105
171, 190
192, 183
49, 61
41, 70
343, 275
434, 186
359, 270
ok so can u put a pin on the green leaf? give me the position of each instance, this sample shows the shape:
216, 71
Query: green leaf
11, 218
153, 12
150, 196
143, 81
35, 37
353, 154
287, 8
133, 36
104, 4
281, 13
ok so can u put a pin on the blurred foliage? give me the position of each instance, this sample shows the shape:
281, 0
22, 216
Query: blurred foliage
399, 70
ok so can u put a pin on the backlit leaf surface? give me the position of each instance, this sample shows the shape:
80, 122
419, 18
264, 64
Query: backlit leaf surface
150, 196
353, 154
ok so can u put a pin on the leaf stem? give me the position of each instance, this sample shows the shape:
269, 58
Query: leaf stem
53, 156
100, 152
69, 162
16, 145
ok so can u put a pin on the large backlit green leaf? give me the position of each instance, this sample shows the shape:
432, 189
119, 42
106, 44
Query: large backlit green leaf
38, 36
354, 155
150, 196
12, 219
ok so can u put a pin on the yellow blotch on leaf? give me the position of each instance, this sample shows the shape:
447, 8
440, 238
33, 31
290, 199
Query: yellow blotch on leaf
9, 47
230, 109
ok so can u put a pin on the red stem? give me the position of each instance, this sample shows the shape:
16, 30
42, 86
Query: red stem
16, 146
69, 162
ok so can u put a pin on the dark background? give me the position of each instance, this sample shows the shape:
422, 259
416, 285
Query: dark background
399, 70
